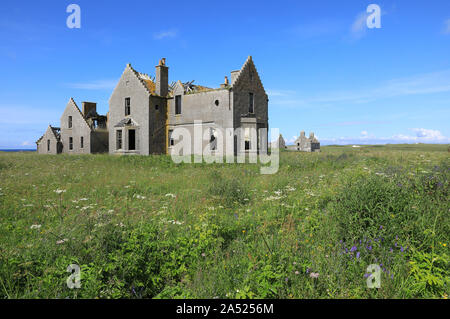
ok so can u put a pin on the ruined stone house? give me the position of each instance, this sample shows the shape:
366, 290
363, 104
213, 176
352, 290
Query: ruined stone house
304, 144
279, 143
81, 132
144, 111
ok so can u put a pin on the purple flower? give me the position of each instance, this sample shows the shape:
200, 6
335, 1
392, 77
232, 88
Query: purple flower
391, 250
307, 270
401, 249
366, 275
381, 227
354, 248
357, 254
369, 247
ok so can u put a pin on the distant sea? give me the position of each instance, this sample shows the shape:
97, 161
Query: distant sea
17, 150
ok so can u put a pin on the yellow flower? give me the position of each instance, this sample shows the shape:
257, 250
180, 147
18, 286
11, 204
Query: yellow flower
243, 231
445, 245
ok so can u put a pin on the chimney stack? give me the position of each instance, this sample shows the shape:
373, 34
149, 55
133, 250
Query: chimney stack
87, 107
162, 78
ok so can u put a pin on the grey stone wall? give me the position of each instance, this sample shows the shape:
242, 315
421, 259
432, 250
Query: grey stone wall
79, 129
248, 81
55, 145
214, 108
130, 86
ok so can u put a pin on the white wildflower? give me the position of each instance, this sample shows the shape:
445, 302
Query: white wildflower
62, 241
35, 226
60, 191
170, 195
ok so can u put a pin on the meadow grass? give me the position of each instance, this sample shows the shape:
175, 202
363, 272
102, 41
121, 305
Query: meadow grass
144, 227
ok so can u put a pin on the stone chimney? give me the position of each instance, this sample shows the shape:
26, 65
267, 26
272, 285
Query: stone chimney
302, 134
311, 135
87, 107
226, 83
162, 78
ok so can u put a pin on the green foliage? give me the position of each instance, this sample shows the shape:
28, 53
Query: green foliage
145, 227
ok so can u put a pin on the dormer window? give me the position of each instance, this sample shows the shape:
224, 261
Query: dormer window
127, 106
69, 124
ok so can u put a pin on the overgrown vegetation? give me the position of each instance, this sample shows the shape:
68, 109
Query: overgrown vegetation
144, 227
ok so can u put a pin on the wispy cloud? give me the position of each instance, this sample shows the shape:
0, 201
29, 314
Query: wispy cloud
165, 34
446, 29
428, 83
314, 29
359, 26
94, 85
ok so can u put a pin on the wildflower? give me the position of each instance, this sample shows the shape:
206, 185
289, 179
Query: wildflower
366, 275
357, 255
369, 248
35, 226
297, 272
314, 275
60, 191
203, 255
59, 242
354, 248
170, 195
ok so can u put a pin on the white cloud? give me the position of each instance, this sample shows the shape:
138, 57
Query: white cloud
165, 34
94, 85
27, 143
364, 133
422, 135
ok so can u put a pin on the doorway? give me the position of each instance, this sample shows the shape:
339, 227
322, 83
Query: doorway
131, 140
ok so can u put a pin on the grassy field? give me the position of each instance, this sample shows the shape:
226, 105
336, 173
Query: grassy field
144, 227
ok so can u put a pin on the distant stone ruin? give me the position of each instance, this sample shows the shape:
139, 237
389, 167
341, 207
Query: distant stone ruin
304, 144
279, 143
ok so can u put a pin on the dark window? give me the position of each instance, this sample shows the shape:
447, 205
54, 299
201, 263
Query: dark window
212, 139
247, 145
127, 106
70, 122
70, 143
131, 140
178, 104
48, 145
171, 141
82, 142
119, 139
251, 103
216, 102
156, 107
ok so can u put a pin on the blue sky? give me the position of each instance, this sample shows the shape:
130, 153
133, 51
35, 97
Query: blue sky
323, 69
